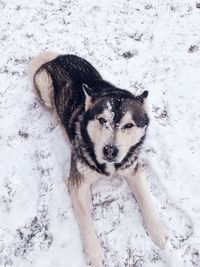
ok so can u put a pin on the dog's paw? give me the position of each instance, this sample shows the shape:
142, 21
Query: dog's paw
94, 255
157, 232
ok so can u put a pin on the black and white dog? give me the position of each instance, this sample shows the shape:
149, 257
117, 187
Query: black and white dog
106, 127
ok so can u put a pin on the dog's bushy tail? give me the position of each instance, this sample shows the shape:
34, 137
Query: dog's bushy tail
40, 78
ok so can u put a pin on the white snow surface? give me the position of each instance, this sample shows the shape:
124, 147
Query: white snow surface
136, 45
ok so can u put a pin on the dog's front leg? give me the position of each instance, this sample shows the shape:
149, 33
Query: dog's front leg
154, 226
80, 195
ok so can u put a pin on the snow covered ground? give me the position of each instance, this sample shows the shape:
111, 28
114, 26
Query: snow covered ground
137, 45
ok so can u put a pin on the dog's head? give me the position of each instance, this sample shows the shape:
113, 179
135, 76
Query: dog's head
115, 121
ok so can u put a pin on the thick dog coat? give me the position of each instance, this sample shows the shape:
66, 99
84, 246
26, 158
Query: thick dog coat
106, 126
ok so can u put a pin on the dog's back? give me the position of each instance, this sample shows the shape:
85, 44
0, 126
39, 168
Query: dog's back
49, 70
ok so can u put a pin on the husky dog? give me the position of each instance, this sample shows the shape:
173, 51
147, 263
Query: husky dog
106, 127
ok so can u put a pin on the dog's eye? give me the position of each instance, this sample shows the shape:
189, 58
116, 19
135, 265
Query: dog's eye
128, 126
102, 121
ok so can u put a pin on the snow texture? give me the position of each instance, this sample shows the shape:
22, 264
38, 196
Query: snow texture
137, 45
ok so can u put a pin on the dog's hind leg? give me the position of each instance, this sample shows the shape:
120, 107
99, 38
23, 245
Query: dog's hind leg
41, 79
80, 195
43, 86
154, 226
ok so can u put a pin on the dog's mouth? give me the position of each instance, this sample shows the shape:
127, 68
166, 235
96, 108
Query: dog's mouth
111, 161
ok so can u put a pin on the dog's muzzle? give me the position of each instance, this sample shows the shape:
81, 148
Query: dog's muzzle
110, 152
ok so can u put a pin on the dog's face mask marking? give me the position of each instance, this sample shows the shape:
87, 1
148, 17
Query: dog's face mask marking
116, 126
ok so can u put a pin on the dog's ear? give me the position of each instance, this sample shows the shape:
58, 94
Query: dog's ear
88, 95
142, 98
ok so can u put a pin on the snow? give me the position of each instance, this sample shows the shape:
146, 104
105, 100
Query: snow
137, 45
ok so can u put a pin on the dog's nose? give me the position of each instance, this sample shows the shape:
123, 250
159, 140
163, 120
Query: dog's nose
110, 152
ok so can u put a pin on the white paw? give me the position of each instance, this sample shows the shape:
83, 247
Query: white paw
157, 233
94, 255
